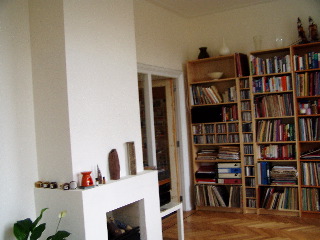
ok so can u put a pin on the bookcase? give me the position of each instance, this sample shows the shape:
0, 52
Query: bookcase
306, 73
266, 124
275, 132
218, 113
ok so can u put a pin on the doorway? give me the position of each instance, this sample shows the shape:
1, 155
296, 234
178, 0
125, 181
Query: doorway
146, 75
164, 138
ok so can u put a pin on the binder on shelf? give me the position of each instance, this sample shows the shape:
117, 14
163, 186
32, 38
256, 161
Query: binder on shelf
229, 170
229, 165
229, 175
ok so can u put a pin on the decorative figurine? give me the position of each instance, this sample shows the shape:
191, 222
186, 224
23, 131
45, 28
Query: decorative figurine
99, 175
313, 31
114, 165
86, 179
302, 35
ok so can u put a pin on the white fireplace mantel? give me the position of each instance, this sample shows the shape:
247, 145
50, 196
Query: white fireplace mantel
86, 209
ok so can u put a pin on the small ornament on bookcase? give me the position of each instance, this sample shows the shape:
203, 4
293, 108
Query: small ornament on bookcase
313, 31
203, 53
301, 33
224, 50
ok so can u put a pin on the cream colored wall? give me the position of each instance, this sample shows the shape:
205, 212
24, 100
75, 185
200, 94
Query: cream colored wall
50, 90
18, 158
167, 40
240, 25
102, 83
160, 36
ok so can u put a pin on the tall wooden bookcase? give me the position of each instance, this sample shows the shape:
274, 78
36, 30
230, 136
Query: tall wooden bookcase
272, 118
306, 73
218, 109
275, 130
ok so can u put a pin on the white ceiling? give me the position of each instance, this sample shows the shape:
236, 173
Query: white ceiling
196, 8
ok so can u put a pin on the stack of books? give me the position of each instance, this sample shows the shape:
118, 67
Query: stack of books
283, 175
207, 154
229, 173
206, 174
229, 152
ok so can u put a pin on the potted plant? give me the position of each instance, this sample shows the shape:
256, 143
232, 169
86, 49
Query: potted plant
28, 230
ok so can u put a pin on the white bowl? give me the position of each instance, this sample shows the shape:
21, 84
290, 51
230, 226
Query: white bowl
215, 75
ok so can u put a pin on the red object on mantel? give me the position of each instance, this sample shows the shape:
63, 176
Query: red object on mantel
86, 179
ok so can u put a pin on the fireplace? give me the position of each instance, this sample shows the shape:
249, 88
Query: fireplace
133, 198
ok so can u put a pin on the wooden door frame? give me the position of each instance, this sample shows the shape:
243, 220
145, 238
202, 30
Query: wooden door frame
168, 84
181, 123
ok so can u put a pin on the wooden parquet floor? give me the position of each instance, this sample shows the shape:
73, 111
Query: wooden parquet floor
207, 225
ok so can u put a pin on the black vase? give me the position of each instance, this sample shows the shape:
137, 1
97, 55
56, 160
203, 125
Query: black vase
203, 53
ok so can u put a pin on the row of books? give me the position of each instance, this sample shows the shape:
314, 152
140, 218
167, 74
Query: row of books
218, 196
309, 129
274, 105
211, 95
219, 138
245, 105
251, 203
250, 193
244, 83
249, 171
310, 173
276, 64
311, 199
310, 60
229, 113
281, 199
246, 116
248, 160
215, 128
274, 131
275, 151
247, 137
250, 182
248, 149
247, 127
307, 84
280, 175
272, 84
244, 94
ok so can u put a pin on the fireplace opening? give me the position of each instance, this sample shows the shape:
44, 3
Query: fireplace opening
124, 222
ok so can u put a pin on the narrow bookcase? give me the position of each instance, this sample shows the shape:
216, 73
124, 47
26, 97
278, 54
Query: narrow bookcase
248, 135
276, 136
306, 62
216, 115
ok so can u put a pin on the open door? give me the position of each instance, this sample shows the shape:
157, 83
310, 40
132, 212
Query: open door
161, 151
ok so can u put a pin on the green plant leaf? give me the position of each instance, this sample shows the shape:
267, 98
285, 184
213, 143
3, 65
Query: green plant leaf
35, 223
37, 232
22, 228
60, 235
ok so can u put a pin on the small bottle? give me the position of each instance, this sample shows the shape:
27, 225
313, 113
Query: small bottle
103, 180
97, 181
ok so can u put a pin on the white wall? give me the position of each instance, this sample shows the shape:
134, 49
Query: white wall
50, 90
160, 36
238, 26
102, 82
17, 142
